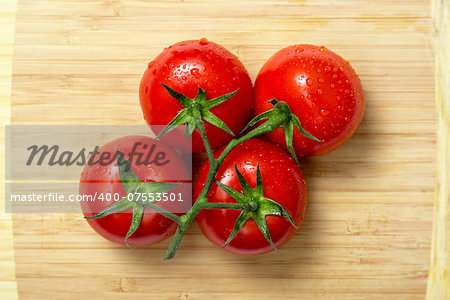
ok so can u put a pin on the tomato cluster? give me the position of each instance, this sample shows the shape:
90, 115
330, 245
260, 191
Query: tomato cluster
322, 92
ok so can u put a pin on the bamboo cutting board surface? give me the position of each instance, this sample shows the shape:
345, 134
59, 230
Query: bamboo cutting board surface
8, 285
368, 228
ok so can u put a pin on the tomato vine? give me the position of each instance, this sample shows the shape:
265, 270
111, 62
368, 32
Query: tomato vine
251, 203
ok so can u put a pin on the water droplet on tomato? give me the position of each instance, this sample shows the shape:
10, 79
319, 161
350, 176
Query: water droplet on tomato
309, 81
319, 91
321, 80
146, 89
203, 41
335, 69
322, 49
150, 64
341, 68
154, 72
308, 97
298, 50
194, 72
338, 98
324, 112
332, 85
327, 69
334, 76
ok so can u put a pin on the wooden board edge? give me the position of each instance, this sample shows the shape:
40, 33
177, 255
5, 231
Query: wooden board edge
438, 280
8, 283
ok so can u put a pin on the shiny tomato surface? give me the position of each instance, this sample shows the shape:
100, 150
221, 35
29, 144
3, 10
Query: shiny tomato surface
102, 182
283, 182
184, 67
322, 90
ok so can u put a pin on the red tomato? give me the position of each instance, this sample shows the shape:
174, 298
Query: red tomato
283, 182
322, 90
184, 67
102, 180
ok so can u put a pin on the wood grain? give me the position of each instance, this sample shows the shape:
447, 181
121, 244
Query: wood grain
367, 233
438, 279
8, 285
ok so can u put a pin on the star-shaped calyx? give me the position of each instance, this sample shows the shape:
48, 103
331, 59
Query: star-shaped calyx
280, 116
195, 110
256, 206
135, 189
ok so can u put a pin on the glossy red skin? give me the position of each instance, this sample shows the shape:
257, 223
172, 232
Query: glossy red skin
322, 90
283, 182
185, 66
154, 227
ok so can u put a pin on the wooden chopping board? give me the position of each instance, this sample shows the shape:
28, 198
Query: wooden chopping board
367, 232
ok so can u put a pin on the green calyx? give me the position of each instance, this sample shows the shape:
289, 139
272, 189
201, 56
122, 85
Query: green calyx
255, 206
280, 116
136, 198
195, 110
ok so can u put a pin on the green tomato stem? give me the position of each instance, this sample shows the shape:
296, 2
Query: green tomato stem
202, 201
238, 206
201, 128
164, 212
